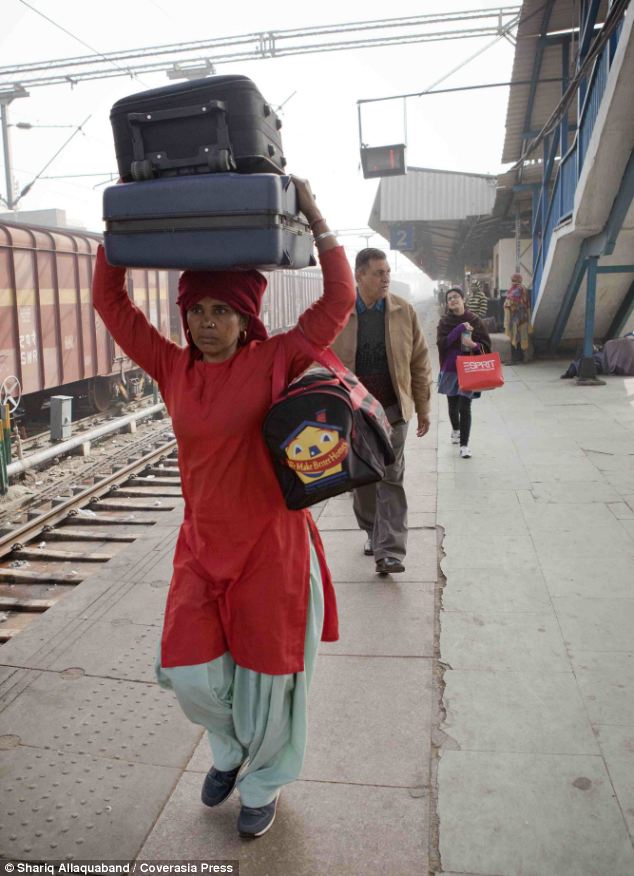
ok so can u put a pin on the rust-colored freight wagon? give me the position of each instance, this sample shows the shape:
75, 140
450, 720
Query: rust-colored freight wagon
50, 336
288, 294
52, 340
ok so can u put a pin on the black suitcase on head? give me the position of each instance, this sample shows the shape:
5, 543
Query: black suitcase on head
212, 125
215, 221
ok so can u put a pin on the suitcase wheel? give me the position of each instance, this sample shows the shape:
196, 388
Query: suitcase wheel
220, 161
141, 170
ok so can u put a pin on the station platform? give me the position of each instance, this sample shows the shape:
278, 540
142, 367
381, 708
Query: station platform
476, 716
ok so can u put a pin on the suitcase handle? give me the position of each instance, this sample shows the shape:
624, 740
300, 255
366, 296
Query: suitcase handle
215, 157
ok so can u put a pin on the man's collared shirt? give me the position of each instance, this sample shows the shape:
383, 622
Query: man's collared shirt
362, 306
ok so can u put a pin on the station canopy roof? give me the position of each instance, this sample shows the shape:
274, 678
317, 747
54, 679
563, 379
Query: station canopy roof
444, 218
538, 57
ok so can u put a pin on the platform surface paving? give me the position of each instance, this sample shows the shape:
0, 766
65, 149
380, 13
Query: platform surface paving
526, 768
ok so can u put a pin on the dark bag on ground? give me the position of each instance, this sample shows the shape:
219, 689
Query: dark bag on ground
325, 432
212, 125
219, 221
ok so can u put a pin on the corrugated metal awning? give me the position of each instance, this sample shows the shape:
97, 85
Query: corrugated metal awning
450, 213
424, 194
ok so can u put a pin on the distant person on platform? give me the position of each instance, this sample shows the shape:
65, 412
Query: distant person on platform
517, 315
384, 345
477, 302
459, 332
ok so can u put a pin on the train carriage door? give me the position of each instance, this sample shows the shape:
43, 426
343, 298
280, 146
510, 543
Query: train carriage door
90, 366
69, 304
48, 292
29, 315
9, 356
153, 298
163, 323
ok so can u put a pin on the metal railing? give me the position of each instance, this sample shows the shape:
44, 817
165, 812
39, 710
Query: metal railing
561, 198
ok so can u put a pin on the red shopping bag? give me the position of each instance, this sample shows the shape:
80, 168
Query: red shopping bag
479, 373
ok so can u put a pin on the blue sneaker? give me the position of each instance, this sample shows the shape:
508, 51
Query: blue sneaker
255, 821
218, 786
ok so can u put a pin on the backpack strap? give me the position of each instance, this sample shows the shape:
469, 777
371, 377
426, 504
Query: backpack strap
325, 357
279, 379
333, 363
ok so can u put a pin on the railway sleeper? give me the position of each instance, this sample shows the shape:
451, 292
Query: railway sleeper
28, 553
9, 603
154, 481
115, 505
124, 492
22, 576
68, 534
109, 521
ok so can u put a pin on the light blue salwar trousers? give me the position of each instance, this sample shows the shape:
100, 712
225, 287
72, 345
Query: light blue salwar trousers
250, 716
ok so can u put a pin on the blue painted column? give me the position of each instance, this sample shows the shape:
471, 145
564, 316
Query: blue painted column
588, 369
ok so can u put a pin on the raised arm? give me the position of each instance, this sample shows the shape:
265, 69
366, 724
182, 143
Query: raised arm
127, 324
323, 321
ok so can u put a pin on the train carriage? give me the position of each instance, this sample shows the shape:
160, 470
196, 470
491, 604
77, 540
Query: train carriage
50, 336
54, 342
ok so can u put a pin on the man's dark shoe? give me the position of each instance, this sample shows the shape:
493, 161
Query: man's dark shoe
218, 786
389, 565
368, 550
255, 821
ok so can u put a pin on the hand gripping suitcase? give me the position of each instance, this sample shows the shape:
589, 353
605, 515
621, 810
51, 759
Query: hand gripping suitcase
212, 125
222, 221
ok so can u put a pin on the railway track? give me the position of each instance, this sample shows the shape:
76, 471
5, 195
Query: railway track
64, 472
39, 432
58, 545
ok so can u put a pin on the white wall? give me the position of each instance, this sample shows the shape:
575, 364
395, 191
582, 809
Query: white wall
504, 262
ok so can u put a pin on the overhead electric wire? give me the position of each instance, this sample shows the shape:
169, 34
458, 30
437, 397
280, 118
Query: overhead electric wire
263, 36
515, 23
30, 185
256, 46
72, 35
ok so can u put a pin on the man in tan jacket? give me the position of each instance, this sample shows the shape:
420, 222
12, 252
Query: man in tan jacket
384, 345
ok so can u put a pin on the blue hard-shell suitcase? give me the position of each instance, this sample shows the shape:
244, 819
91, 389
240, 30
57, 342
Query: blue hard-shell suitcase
221, 221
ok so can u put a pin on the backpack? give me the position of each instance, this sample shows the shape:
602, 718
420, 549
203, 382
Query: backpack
326, 433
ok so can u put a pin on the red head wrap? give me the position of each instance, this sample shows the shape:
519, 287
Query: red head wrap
241, 290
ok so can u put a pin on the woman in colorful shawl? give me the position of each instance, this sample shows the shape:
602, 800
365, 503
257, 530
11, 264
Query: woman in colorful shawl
517, 314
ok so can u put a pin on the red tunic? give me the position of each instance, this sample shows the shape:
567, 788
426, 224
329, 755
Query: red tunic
241, 565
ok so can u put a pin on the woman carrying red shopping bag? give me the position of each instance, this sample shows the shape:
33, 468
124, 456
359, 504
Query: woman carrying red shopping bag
459, 332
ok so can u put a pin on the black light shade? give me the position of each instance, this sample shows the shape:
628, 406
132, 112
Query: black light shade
383, 160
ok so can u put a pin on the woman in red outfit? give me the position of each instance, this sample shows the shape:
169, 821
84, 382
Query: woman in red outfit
251, 595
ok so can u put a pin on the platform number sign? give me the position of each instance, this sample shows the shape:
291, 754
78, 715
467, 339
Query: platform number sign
402, 238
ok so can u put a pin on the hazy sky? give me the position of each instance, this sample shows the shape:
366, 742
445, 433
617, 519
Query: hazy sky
462, 131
